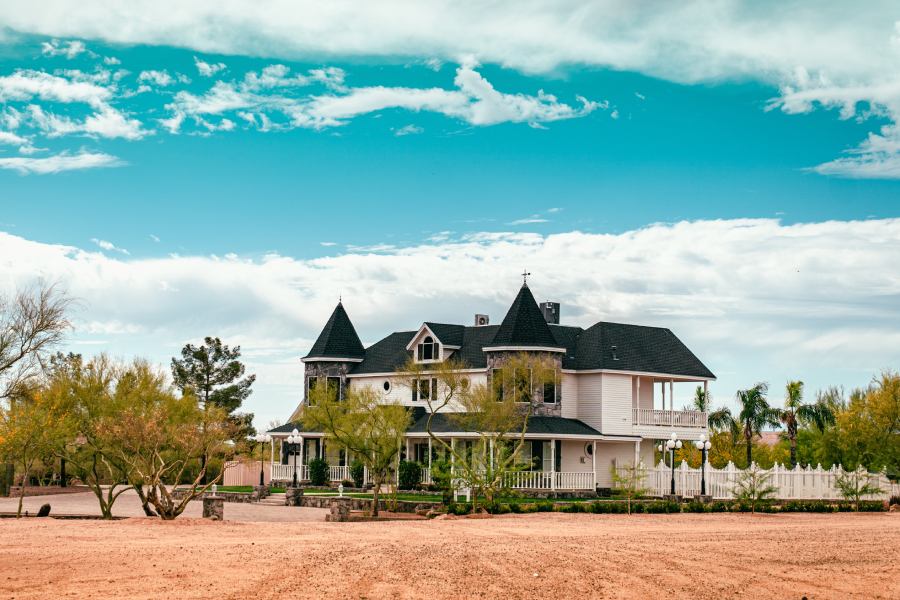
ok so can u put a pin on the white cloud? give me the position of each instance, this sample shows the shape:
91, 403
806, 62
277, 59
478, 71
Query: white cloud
155, 238
529, 220
208, 69
755, 299
111, 60
475, 101
408, 130
108, 122
60, 162
328, 244
69, 49
160, 78
823, 50
109, 246
25, 84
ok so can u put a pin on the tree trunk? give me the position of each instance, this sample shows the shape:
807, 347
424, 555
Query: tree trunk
375, 490
145, 503
22, 494
793, 450
748, 435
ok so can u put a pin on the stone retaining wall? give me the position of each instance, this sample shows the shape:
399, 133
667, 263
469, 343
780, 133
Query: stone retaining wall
404, 506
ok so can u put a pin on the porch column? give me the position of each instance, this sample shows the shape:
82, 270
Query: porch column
672, 400
662, 385
491, 450
302, 461
553, 465
594, 461
429, 454
637, 452
452, 458
271, 456
706, 394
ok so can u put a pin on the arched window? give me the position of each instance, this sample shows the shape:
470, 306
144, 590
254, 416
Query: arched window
428, 349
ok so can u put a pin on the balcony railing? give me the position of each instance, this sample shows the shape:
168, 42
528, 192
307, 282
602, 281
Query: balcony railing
669, 418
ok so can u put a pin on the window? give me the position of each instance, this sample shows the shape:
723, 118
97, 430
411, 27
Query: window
522, 383
428, 350
497, 384
550, 392
334, 387
424, 389
387, 387
310, 388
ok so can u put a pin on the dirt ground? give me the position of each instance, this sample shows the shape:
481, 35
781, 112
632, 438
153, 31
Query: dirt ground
512, 556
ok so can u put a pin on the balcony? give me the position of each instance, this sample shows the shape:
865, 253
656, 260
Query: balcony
650, 417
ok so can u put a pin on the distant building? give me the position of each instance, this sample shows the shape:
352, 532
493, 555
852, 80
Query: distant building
613, 399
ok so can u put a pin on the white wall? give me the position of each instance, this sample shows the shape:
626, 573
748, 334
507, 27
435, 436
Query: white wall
400, 392
616, 416
590, 394
645, 397
608, 453
572, 453
569, 395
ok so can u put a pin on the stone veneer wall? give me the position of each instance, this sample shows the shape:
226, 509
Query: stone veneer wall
325, 369
496, 360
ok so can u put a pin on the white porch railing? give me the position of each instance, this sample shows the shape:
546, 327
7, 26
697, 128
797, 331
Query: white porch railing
426, 475
339, 473
669, 418
791, 484
549, 480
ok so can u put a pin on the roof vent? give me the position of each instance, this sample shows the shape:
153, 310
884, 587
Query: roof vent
481, 320
551, 312
615, 352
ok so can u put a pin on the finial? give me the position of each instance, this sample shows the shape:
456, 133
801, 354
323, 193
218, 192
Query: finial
525, 275
340, 298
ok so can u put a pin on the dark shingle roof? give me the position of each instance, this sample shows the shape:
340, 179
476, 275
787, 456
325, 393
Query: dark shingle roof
338, 338
524, 324
449, 335
443, 423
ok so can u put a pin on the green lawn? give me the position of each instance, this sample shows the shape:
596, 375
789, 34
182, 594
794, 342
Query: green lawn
245, 489
437, 498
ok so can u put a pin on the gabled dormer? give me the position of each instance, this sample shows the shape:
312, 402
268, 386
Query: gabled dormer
435, 342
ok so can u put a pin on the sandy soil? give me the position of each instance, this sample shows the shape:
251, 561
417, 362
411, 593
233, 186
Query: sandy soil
513, 556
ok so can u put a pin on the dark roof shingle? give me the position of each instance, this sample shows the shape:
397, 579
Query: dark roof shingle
338, 338
524, 324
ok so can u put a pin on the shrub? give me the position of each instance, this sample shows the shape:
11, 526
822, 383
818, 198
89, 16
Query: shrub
318, 472
357, 473
410, 475
459, 508
695, 507
895, 499
544, 506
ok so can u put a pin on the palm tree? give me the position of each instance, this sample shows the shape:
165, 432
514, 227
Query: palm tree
755, 414
719, 419
819, 415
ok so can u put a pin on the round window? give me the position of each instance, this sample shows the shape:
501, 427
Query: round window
589, 449
387, 386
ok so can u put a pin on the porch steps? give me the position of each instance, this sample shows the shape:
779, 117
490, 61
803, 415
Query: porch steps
273, 500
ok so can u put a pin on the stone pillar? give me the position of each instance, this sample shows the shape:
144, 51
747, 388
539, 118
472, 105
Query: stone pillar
293, 496
340, 510
261, 491
213, 508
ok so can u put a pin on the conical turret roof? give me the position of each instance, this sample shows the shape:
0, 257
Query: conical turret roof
524, 324
338, 338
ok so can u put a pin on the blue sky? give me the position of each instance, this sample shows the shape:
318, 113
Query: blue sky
154, 168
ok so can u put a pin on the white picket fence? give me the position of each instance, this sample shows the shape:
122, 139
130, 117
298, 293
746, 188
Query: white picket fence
791, 484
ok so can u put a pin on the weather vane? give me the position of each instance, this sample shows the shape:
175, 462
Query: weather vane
525, 275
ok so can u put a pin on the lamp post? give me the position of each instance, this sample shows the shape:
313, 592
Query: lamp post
672, 444
703, 445
262, 439
292, 439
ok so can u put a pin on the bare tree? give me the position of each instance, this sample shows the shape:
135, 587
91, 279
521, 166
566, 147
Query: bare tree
32, 322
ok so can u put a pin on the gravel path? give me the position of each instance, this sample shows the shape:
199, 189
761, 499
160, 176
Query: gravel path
513, 556
128, 505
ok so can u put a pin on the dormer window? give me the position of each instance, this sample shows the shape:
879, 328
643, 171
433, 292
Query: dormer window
428, 350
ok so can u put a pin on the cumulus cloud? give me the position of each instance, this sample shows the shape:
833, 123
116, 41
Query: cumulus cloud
58, 163
820, 51
408, 130
208, 69
475, 100
109, 246
755, 299
160, 78
69, 49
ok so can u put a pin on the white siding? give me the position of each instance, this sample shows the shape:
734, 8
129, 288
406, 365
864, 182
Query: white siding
590, 406
569, 395
607, 455
400, 392
574, 458
616, 406
646, 393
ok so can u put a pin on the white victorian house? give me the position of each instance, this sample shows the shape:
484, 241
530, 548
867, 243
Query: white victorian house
615, 397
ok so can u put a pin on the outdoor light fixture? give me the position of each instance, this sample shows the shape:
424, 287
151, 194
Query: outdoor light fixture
703, 445
292, 439
261, 438
672, 444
